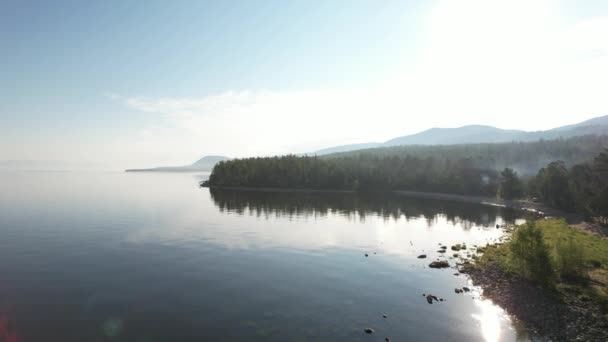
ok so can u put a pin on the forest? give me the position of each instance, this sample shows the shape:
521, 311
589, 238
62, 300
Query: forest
573, 176
524, 157
582, 188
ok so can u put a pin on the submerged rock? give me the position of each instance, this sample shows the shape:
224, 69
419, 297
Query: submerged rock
457, 247
430, 298
369, 330
439, 264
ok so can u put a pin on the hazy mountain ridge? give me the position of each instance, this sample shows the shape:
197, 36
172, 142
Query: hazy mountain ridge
204, 164
526, 157
471, 134
600, 120
475, 134
345, 148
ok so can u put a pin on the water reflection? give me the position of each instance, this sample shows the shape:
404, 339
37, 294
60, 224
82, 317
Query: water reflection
272, 204
151, 257
491, 319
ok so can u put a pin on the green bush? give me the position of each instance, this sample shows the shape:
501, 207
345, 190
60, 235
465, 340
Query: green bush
530, 255
594, 248
569, 258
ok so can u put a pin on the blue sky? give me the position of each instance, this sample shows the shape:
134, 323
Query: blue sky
136, 83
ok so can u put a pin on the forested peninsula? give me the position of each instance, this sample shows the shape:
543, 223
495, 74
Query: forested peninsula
568, 174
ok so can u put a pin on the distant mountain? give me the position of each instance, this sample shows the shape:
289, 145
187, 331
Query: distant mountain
202, 165
474, 134
207, 162
599, 121
346, 148
463, 135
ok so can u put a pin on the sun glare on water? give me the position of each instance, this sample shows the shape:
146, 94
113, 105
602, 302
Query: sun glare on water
491, 320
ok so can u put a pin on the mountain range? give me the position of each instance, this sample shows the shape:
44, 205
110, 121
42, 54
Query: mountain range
471, 134
204, 164
474, 134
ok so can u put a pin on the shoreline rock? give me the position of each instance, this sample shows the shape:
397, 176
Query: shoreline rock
439, 264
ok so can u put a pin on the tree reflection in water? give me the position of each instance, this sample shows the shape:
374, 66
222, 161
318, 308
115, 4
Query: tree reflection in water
354, 205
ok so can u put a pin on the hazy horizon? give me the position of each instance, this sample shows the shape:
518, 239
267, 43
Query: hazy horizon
150, 84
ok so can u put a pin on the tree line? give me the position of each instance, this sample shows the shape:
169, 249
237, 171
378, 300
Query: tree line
582, 188
359, 173
461, 169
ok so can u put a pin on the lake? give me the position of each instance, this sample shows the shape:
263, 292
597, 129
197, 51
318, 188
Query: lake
152, 257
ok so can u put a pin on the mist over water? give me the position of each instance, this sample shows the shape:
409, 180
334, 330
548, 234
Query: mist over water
152, 257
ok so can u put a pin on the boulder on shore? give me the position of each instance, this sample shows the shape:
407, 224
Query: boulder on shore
457, 247
439, 264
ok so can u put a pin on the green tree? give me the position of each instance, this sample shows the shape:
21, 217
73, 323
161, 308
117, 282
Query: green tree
599, 206
600, 165
530, 255
583, 186
599, 202
569, 258
552, 184
510, 186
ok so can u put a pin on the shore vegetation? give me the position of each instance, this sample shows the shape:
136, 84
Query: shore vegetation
558, 257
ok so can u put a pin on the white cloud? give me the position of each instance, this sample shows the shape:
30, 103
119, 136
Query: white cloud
267, 122
511, 64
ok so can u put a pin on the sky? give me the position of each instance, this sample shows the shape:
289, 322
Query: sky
124, 84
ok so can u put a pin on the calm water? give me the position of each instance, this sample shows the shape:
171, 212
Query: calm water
152, 257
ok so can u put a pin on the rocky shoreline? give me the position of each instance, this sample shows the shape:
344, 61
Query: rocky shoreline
542, 311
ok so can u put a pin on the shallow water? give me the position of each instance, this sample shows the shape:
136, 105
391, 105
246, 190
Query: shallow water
152, 257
